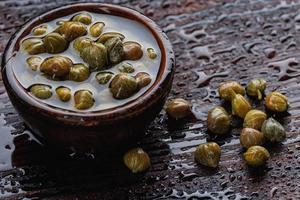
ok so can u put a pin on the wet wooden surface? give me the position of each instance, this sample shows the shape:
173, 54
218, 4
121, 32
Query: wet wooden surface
213, 41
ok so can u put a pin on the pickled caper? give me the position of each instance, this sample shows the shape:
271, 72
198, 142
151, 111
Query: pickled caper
40, 30
178, 108
115, 50
218, 121
80, 43
256, 156
137, 160
106, 36
273, 131
41, 91
208, 154
79, 72
83, 99
250, 137
143, 79
104, 77
56, 66
123, 86
96, 29
84, 18
33, 46
55, 43
34, 62
132, 50
151, 53
126, 68
95, 56
276, 102
226, 88
63, 93
71, 30
254, 119
240, 105
256, 87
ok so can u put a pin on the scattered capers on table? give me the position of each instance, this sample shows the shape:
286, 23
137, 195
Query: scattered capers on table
41, 91
56, 66
240, 105
273, 131
256, 88
250, 137
178, 108
256, 156
276, 102
218, 121
226, 88
123, 86
63, 93
83, 99
208, 154
34, 62
254, 119
84, 18
137, 160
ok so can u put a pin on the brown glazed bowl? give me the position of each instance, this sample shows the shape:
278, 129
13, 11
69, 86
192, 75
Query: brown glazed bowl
105, 129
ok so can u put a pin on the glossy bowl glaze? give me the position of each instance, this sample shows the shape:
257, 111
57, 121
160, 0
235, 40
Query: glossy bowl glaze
104, 129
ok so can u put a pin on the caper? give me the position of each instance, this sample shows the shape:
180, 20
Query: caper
60, 22
63, 93
208, 154
178, 108
80, 43
273, 130
84, 18
79, 72
41, 91
106, 36
256, 156
40, 30
218, 120
226, 88
104, 77
34, 62
143, 79
56, 66
250, 137
151, 53
95, 56
115, 50
276, 102
96, 29
137, 160
240, 105
55, 43
126, 68
132, 50
123, 86
33, 46
256, 87
254, 119
71, 30
83, 99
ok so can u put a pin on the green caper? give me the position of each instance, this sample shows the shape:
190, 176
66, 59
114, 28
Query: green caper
84, 18
151, 53
254, 119
256, 87
40, 30
256, 156
56, 66
106, 36
83, 99
123, 86
104, 77
126, 68
250, 137
34, 62
79, 72
95, 56
63, 93
137, 160
218, 121
273, 131
240, 105
96, 29
33, 46
178, 108
80, 43
143, 79
71, 30
208, 154
115, 50
132, 50
55, 43
276, 102
41, 91
226, 88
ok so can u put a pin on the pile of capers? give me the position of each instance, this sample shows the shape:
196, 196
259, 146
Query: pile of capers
99, 51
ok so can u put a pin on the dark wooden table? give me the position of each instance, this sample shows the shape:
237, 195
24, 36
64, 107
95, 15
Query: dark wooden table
213, 41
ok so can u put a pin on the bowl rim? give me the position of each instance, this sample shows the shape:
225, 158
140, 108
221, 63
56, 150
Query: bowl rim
135, 106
